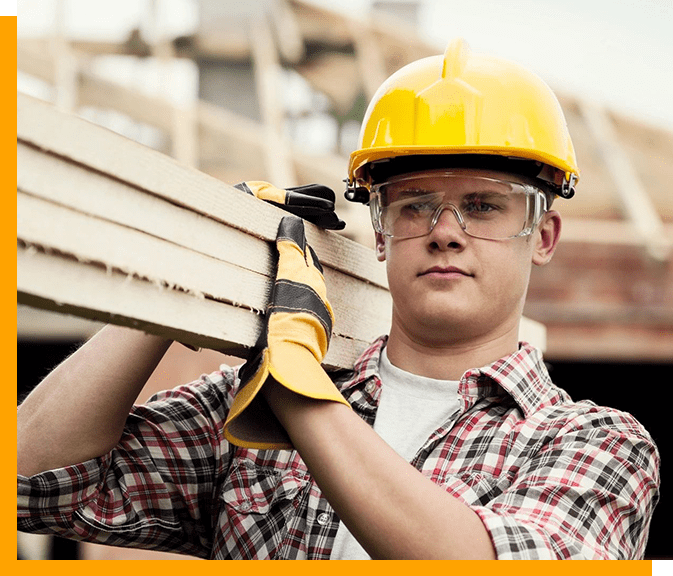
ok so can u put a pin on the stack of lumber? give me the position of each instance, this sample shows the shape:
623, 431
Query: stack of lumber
113, 231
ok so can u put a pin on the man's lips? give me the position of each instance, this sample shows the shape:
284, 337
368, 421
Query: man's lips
444, 271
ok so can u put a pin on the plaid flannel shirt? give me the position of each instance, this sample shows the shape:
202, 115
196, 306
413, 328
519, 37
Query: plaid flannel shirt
549, 477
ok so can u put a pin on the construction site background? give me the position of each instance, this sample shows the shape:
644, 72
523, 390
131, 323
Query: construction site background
275, 90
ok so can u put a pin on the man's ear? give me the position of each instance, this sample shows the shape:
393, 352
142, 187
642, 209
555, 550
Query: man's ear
380, 247
546, 238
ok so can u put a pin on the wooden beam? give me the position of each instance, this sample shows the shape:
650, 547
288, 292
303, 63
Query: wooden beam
369, 57
602, 231
213, 120
269, 84
609, 343
288, 34
235, 136
638, 206
184, 129
224, 136
66, 63
35, 325
126, 235
101, 150
88, 291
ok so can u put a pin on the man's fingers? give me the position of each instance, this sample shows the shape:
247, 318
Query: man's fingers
328, 221
315, 190
293, 198
292, 229
313, 202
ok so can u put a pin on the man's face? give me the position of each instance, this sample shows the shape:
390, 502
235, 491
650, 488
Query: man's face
448, 286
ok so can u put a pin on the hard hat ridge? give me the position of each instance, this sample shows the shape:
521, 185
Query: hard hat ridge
455, 58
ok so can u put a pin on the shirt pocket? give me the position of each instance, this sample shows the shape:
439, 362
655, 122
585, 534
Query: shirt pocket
256, 490
259, 507
474, 488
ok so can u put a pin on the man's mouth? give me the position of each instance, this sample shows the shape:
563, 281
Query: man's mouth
444, 271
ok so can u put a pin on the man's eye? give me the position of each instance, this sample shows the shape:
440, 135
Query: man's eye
479, 207
419, 207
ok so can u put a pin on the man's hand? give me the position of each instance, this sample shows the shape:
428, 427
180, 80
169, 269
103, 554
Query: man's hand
312, 202
295, 339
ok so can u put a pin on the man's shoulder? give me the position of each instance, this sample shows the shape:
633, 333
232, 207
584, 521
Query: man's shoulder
587, 419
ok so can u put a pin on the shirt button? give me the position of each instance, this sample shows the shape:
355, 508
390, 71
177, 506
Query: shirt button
323, 518
369, 388
245, 506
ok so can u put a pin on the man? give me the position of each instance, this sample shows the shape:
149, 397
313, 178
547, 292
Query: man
447, 440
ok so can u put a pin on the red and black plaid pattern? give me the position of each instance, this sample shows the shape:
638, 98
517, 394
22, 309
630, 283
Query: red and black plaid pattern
549, 477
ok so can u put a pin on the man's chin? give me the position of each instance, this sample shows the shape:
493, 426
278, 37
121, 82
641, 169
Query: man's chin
446, 324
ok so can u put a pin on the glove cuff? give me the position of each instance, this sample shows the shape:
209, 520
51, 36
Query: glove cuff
295, 368
251, 423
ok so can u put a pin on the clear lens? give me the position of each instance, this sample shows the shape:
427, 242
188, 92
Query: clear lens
483, 207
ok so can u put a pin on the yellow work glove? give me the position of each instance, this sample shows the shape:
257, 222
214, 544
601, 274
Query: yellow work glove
291, 347
312, 202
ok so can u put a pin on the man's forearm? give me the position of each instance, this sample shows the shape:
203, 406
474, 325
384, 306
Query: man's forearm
389, 506
78, 411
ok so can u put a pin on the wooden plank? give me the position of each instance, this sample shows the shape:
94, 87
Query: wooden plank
114, 251
369, 57
100, 293
34, 325
109, 296
167, 264
50, 177
32, 57
42, 223
184, 136
288, 34
80, 141
95, 218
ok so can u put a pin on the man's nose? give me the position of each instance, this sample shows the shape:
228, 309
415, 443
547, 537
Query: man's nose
448, 215
448, 231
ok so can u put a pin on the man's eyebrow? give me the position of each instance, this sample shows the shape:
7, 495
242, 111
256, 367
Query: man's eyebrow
488, 192
409, 192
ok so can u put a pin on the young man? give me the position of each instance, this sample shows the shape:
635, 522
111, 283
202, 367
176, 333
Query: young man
447, 440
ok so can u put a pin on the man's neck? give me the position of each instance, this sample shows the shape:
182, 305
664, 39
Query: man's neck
449, 359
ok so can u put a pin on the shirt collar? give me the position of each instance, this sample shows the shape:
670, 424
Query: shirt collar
368, 364
521, 375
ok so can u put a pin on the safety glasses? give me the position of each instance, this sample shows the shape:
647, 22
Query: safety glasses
488, 208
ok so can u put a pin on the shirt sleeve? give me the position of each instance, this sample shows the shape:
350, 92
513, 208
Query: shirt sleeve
589, 493
156, 489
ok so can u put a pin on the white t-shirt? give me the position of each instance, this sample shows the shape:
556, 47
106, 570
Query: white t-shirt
410, 409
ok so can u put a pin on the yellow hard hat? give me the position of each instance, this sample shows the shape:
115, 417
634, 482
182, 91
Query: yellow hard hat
466, 108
